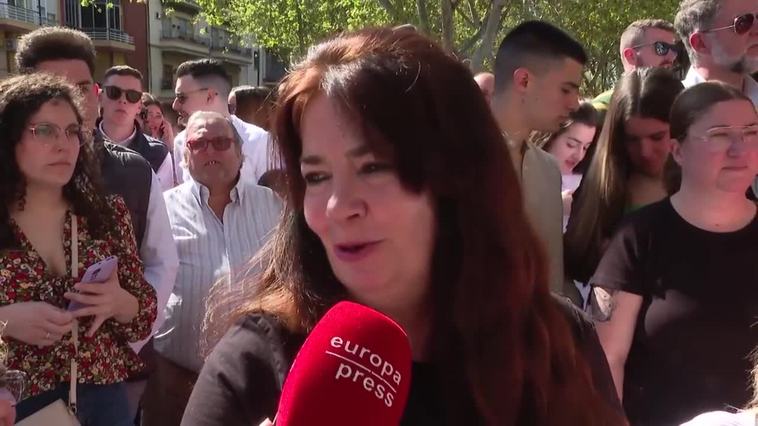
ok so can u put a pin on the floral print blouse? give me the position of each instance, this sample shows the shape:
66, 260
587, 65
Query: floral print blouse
104, 358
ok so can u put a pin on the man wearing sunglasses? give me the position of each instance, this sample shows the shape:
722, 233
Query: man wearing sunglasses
721, 37
204, 85
219, 221
644, 43
120, 101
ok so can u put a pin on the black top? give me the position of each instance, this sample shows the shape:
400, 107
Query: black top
241, 380
127, 174
151, 149
696, 326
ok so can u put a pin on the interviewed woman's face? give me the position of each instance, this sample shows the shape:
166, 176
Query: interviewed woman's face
378, 236
44, 159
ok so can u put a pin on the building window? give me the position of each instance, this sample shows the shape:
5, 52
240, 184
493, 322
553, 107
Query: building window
72, 13
167, 81
100, 16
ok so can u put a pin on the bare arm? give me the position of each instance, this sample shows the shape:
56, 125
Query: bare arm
615, 314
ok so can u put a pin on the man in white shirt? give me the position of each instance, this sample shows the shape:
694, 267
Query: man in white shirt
204, 85
721, 37
538, 71
219, 222
120, 101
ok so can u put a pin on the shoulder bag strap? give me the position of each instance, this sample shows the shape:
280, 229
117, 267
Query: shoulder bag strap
75, 329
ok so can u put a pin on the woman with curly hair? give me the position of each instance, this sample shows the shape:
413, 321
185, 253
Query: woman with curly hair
52, 210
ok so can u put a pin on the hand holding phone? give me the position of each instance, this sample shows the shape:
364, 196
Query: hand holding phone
97, 273
103, 298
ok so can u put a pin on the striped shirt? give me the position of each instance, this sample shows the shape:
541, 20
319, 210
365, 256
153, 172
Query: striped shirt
209, 250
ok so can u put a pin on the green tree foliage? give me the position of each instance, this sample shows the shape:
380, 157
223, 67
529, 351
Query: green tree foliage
471, 28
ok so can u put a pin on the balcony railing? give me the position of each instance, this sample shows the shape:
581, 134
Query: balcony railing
109, 34
219, 40
22, 14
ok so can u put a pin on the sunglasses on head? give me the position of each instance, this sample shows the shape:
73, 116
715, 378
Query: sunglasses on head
742, 24
114, 93
219, 144
661, 48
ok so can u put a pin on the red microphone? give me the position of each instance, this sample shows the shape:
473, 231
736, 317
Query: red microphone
353, 369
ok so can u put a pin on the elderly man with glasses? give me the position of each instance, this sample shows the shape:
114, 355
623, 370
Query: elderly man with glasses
204, 85
219, 221
721, 37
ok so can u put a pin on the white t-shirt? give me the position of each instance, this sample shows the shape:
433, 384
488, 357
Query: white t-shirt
722, 418
256, 145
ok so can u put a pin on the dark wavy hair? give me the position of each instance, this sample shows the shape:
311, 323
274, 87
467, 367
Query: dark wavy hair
502, 348
20, 98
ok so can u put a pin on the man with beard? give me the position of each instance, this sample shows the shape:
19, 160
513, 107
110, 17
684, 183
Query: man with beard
721, 37
644, 43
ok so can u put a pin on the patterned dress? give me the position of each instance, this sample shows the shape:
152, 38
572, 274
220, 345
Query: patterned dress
104, 358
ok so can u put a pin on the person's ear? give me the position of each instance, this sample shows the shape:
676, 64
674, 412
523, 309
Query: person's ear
630, 56
676, 151
699, 43
521, 79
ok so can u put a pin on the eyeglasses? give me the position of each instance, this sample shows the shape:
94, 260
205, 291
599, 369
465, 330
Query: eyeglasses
115, 92
48, 133
661, 48
742, 24
219, 144
720, 139
182, 97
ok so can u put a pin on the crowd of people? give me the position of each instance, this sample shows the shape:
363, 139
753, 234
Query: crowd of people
553, 260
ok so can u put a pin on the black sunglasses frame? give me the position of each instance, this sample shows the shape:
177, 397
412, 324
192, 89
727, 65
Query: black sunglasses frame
115, 92
661, 48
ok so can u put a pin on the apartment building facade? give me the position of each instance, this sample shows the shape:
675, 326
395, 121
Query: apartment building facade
153, 36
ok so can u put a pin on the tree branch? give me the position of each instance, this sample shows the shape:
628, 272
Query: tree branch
491, 28
390, 8
448, 30
474, 13
423, 16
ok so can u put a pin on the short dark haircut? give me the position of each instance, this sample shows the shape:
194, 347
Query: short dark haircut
247, 97
530, 42
211, 71
124, 70
53, 43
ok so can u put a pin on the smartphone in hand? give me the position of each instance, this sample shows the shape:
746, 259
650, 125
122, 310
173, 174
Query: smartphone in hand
97, 273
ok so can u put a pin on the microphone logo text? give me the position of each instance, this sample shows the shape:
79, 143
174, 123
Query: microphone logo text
360, 365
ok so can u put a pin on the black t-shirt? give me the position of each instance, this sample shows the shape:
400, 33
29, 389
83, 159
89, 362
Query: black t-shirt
699, 319
241, 380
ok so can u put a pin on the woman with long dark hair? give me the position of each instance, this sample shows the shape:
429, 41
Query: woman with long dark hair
627, 169
569, 145
53, 215
675, 296
402, 196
